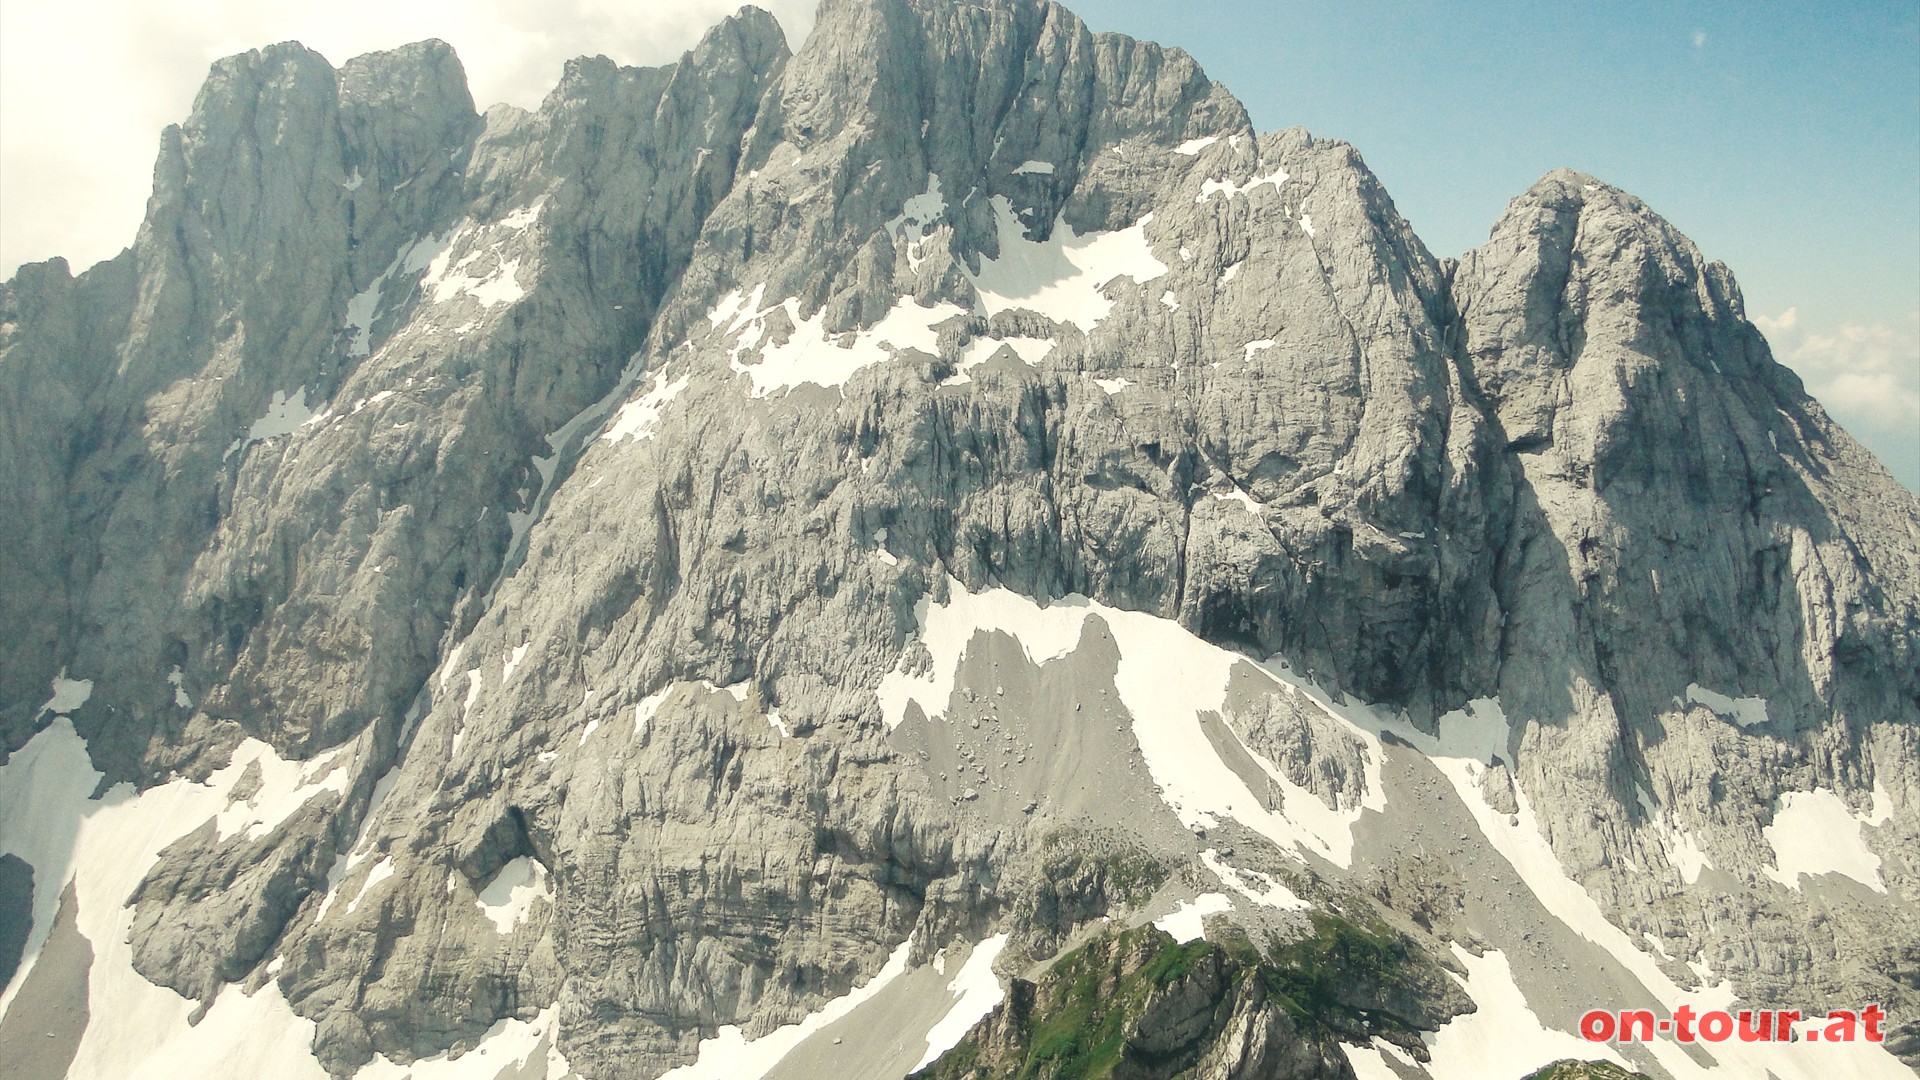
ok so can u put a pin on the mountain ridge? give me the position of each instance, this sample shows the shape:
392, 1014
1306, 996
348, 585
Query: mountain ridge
1282, 426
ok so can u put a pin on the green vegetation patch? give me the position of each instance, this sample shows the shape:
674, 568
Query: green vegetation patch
1085, 1005
1118, 867
1085, 1018
1338, 974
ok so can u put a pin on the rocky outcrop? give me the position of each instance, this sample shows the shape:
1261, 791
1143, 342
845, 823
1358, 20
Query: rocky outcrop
1585, 1070
1140, 1006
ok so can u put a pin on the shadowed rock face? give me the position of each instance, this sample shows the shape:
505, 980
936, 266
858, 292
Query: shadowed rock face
40, 1033
582, 474
16, 913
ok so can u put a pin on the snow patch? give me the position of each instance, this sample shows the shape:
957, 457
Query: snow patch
1192, 147
1112, 386
1702, 970
449, 666
916, 220
1236, 495
175, 679
500, 286
240, 1038
1504, 1037
646, 708
1684, 855
285, 787
508, 898
1030, 351
68, 695
513, 661
1188, 921
361, 311
1231, 190
521, 219
1064, 276
510, 1047
1745, 712
473, 691
730, 1055
811, 355
737, 691
1258, 346
637, 418
359, 852
1681, 847
284, 416
1306, 223
977, 992
381, 871
921, 211
1034, 168
1814, 833
374, 399
1882, 811
447, 279
880, 548
1254, 885
408, 262
736, 306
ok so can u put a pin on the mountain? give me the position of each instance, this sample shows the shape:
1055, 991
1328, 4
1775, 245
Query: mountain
945, 550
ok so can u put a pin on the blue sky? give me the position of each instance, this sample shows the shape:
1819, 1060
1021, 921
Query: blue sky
1785, 139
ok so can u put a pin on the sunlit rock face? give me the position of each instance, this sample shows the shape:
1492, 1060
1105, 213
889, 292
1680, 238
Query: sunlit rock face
799, 564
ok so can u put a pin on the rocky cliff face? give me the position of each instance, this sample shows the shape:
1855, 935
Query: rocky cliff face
655, 581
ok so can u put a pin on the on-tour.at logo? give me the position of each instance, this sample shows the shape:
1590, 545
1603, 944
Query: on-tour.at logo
1688, 1025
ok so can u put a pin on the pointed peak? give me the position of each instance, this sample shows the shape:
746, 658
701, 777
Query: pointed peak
750, 38
1567, 209
1571, 189
428, 51
424, 76
285, 61
752, 32
236, 85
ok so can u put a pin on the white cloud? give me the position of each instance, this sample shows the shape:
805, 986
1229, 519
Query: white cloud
1868, 377
1699, 39
86, 85
1778, 324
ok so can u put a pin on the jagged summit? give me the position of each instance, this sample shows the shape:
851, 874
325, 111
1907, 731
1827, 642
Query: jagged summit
777, 537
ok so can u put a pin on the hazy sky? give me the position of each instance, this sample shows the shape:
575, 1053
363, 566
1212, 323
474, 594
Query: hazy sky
1784, 138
